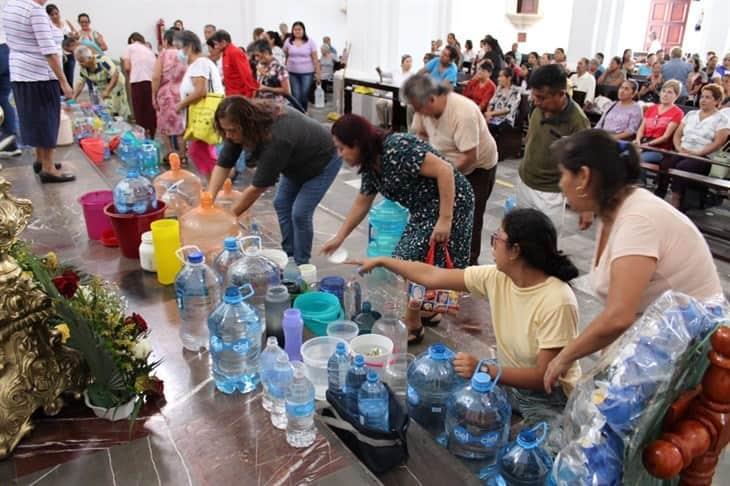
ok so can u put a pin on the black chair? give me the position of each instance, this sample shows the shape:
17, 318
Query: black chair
579, 97
610, 92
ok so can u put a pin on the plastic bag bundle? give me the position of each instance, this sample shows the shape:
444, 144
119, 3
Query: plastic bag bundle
619, 403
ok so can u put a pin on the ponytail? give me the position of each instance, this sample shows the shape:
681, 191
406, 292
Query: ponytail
562, 268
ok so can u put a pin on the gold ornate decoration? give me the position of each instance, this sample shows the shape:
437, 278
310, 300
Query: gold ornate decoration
35, 368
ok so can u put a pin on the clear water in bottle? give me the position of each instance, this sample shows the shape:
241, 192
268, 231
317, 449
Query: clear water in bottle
337, 368
134, 194
373, 403
256, 270
356, 376
235, 342
278, 385
267, 363
524, 462
197, 288
231, 254
300, 429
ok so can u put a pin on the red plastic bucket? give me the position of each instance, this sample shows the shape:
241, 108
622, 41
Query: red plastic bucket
129, 227
93, 204
94, 149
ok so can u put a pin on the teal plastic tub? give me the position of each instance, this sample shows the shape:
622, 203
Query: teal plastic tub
318, 309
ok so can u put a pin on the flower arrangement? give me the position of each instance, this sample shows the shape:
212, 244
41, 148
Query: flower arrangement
92, 318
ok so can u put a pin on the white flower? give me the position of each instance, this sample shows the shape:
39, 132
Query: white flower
142, 349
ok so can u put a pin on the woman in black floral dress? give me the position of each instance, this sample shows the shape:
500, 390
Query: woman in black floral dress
408, 171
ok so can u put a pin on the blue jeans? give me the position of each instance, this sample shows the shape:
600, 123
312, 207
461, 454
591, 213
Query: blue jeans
11, 119
301, 85
652, 158
295, 204
69, 65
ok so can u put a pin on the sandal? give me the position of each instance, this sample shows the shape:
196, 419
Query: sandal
416, 336
430, 321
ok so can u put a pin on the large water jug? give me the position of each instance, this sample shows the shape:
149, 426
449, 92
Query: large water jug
523, 462
231, 254
477, 419
134, 194
207, 226
387, 220
300, 429
128, 150
431, 379
228, 196
267, 364
198, 289
178, 188
373, 402
256, 270
235, 342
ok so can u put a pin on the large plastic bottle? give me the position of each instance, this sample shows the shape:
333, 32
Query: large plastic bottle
337, 367
207, 226
228, 196
267, 363
356, 376
477, 419
278, 385
235, 342
523, 462
393, 328
276, 302
373, 403
226, 258
300, 429
198, 289
431, 379
256, 270
387, 220
178, 188
134, 193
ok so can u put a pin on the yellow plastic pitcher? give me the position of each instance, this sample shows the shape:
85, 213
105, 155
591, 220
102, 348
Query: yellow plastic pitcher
166, 240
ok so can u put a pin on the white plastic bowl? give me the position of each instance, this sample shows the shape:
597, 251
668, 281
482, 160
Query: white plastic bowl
346, 330
277, 256
315, 353
365, 343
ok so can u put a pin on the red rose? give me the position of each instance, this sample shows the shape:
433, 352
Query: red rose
138, 322
67, 283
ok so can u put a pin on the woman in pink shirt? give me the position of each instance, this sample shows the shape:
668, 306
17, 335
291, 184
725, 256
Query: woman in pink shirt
166, 78
644, 246
302, 63
139, 64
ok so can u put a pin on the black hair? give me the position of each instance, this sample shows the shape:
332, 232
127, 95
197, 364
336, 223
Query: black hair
453, 53
273, 35
210, 42
404, 57
600, 54
135, 37
304, 30
537, 239
81, 15
617, 60
169, 36
494, 45
261, 46
510, 74
221, 36
50, 8
487, 65
468, 44
68, 42
189, 38
615, 165
550, 76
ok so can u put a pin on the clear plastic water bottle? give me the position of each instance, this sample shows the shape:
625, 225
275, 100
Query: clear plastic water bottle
373, 403
134, 194
393, 328
293, 327
267, 363
292, 272
278, 385
337, 368
149, 160
198, 289
235, 342
226, 258
300, 429
523, 462
255, 269
356, 376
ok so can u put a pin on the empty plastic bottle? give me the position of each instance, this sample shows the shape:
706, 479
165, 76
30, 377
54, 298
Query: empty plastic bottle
387, 220
292, 272
228, 196
255, 269
277, 302
300, 429
267, 363
226, 258
373, 402
337, 368
293, 326
523, 462
278, 385
178, 188
207, 226
197, 288
319, 96
393, 328
149, 160
134, 194
235, 342
356, 376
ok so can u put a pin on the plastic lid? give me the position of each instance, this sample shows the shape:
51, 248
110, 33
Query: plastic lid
481, 382
272, 341
359, 360
233, 296
174, 160
195, 257
529, 439
439, 352
372, 377
341, 348
230, 243
278, 291
147, 237
292, 315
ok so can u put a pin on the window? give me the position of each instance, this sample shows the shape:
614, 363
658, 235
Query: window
527, 6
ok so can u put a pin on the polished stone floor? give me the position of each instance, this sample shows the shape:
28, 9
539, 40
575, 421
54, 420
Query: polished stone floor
201, 436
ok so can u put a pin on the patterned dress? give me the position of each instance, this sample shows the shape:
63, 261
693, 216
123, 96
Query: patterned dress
399, 180
100, 76
169, 121
272, 76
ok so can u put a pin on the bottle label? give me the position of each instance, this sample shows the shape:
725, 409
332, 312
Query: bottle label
463, 436
412, 395
299, 409
436, 409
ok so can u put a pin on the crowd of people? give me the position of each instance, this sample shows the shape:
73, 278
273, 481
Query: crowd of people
443, 172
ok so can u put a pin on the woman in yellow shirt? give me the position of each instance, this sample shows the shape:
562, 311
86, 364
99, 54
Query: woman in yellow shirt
534, 310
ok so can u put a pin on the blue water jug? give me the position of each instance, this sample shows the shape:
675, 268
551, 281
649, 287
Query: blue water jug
387, 220
134, 194
431, 379
128, 150
267, 364
198, 289
373, 402
236, 334
523, 462
231, 254
477, 419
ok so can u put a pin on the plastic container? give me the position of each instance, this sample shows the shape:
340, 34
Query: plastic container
337, 367
387, 220
166, 242
345, 330
300, 428
134, 194
393, 328
197, 289
318, 310
267, 363
276, 302
279, 257
130, 227
231, 254
291, 272
278, 385
179, 188
93, 204
235, 342
228, 196
356, 376
524, 462
147, 253
373, 403
149, 159
319, 96
93, 148
254, 269
65, 131
370, 344
334, 285
316, 353
207, 226
293, 327
431, 379
309, 273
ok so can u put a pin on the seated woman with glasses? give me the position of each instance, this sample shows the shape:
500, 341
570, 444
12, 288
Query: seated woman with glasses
534, 310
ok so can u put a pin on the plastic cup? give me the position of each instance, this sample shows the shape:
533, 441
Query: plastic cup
309, 273
166, 240
338, 256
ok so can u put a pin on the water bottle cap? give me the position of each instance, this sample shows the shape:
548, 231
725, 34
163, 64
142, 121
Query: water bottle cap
230, 243
367, 307
195, 257
272, 341
372, 377
341, 348
439, 352
174, 160
481, 382
528, 438
359, 360
232, 296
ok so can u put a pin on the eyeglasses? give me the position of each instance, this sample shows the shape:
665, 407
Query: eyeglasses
495, 237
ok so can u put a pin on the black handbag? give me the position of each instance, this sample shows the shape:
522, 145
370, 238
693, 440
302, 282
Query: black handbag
379, 451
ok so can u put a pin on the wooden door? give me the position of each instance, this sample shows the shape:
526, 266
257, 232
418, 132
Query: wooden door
668, 18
